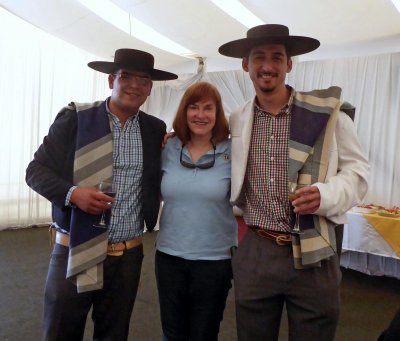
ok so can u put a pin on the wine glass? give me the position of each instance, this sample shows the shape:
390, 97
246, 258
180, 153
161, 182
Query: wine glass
107, 188
293, 186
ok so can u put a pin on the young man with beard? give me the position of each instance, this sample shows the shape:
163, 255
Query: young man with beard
280, 137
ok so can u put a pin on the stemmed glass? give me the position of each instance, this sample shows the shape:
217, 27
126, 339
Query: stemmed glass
293, 186
107, 188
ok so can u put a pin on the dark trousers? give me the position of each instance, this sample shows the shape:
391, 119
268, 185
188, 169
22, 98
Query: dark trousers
265, 280
65, 311
192, 296
392, 333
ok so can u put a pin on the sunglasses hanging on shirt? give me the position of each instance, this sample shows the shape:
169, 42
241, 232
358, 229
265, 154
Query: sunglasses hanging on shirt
205, 165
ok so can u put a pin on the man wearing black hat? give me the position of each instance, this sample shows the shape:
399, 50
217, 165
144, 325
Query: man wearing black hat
280, 138
112, 140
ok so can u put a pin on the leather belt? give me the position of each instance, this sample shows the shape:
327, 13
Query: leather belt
113, 249
280, 238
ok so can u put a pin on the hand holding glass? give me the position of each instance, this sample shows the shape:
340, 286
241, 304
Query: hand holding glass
107, 188
293, 186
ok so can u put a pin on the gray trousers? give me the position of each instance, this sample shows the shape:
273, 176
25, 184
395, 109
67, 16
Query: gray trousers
265, 280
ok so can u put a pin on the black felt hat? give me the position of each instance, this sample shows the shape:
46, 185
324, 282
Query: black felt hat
132, 59
269, 34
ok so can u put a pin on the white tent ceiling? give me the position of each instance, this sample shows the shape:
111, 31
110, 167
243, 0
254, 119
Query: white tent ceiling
344, 27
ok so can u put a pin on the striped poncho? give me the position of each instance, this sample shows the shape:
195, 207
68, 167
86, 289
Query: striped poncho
93, 163
314, 117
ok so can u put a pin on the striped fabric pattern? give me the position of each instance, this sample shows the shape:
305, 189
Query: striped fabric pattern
93, 163
314, 117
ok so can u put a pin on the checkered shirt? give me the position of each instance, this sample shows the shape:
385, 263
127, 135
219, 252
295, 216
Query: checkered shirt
266, 180
127, 220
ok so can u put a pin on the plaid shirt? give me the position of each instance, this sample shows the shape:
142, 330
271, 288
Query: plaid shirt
127, 220
266, 180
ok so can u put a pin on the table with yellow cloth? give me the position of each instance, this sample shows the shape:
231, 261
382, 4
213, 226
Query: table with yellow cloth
371, 244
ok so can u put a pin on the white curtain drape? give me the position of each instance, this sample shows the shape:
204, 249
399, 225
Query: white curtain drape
41, 74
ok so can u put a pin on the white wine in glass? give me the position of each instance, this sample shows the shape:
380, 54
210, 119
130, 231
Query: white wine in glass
293, 186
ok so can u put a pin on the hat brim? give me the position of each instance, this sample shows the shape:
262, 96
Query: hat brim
110, 68
296, 45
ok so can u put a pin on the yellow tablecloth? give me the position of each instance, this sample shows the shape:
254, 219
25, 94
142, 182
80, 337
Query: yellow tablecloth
388, 228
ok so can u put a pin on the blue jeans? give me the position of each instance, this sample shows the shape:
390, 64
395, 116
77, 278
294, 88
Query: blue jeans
192, 296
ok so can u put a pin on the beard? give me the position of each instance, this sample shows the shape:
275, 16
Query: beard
267, 87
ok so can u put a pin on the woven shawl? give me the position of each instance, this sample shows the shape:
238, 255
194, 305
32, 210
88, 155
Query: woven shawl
314, 117
92, 164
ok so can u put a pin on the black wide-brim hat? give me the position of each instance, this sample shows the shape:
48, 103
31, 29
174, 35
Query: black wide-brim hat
131, 59
269, 34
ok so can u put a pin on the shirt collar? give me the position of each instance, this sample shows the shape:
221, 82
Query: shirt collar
285, 110
134, 119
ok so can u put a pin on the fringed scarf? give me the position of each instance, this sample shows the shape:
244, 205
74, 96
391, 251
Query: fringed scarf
314, 117
92, 164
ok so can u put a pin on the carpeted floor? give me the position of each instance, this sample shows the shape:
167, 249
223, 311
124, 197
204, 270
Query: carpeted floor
368, 303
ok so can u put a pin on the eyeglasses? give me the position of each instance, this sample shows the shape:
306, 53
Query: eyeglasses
205, 165
129, 78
